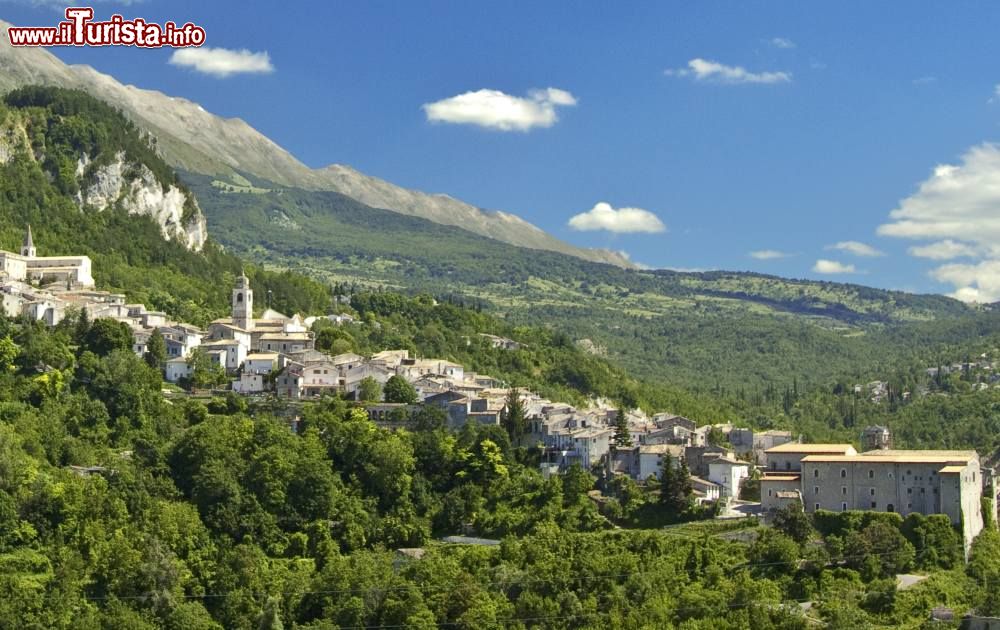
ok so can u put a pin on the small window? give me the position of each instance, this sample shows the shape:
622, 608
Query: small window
843, 490
890, 508
871, 474
239, 298
890, 475
815, 489
909, 491
871, 491
843, 507
843, 473
874, 505
922, 490
909, 472
769, 493
816, 507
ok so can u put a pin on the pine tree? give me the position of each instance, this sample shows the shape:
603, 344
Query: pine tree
514, 419
156, 350
675, 485
622, 437
82, 326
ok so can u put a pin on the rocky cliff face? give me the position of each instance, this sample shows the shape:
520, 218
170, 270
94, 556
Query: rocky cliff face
193, 139
122, 183
136, 189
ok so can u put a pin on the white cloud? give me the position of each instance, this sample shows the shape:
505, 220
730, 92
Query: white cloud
768, 254
943, 250
622, 221
957, 201
222, 62
832, 267
958, 208
714, 72
782, 42
493, 109
856, 248
973, 283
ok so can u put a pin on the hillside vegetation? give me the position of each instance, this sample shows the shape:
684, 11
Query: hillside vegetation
701, 330
38, 182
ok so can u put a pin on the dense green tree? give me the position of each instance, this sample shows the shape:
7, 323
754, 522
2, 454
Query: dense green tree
205, 370
399, 390
792, 521
878, 550
369, 390
513, 418
676, 491
623, 436
156, 350
107, 335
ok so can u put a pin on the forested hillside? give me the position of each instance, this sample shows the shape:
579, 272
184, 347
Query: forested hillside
123, 508
38, 181
698, 330
120, 509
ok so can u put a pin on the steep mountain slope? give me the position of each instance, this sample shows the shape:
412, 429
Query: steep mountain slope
97, 159
193, 139
81, 174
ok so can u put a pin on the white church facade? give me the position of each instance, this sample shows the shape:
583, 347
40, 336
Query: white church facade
28, 266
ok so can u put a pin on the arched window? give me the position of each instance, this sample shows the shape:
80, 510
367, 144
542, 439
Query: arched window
843, 473
239, 297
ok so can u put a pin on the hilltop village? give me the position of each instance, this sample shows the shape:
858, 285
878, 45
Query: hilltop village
275, 355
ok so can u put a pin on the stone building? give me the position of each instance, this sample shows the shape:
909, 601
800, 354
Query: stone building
28, 265
876, 438
925, 482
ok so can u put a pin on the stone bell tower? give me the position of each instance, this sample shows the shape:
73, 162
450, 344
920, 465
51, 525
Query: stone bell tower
243, 303
28, 247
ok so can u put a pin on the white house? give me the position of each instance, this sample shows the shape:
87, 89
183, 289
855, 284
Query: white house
235, 351
728, 473
249, 383
176, 369
651, 458
705, 491
260, 363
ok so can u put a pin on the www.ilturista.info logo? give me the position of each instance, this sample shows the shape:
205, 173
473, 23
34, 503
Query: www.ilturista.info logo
79, 29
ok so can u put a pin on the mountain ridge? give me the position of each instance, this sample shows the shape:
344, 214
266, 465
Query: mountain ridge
193, 139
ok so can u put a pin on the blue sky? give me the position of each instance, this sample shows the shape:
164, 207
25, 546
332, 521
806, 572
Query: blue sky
743, 127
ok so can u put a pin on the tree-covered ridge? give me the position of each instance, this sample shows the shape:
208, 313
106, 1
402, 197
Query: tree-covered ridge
698, 330
119, 508
129, 252
61, 125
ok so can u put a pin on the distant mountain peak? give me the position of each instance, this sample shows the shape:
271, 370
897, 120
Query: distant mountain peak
191, 138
